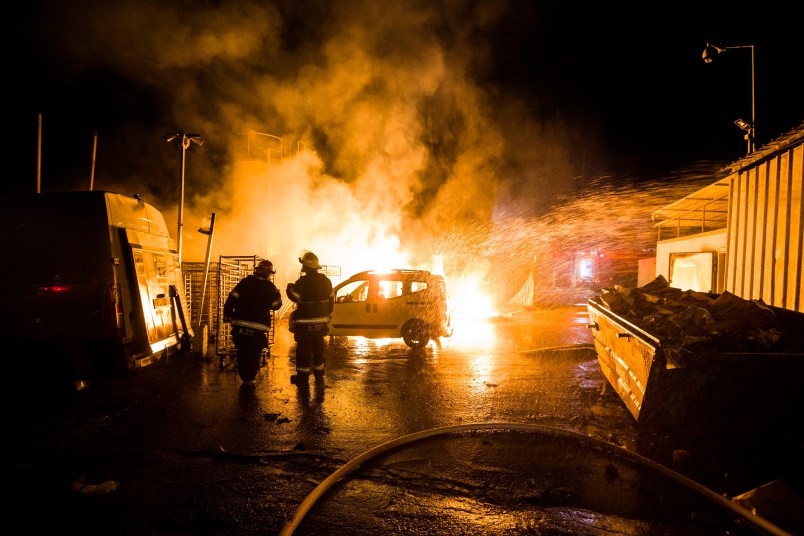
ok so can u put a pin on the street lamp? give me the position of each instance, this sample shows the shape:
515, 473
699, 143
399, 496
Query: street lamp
184, 140
750, 128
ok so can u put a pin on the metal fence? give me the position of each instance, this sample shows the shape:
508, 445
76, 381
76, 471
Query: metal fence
193, 288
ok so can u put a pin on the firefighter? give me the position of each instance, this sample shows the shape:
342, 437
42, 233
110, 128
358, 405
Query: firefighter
248, 308
312, 294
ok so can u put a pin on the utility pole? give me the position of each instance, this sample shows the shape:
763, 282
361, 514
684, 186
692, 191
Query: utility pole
184, 141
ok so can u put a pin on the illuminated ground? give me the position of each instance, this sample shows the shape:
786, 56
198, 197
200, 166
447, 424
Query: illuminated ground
190, 452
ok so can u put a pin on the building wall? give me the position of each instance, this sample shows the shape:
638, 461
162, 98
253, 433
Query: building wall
765, 231
646, 271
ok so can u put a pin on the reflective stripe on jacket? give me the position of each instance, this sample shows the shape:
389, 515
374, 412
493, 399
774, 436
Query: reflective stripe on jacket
248, 324
312, 320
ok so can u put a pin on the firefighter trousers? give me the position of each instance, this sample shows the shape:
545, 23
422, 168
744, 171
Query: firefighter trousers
249, 344
310, 349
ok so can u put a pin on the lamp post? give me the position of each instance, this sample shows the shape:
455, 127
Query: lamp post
750, 128
184, 141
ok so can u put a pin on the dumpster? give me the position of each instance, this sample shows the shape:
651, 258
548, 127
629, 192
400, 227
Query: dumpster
701, 371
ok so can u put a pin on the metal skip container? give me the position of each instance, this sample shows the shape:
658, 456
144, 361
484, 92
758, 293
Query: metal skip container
700, 367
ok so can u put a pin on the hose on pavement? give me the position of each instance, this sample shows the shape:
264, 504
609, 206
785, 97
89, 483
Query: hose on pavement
309, 501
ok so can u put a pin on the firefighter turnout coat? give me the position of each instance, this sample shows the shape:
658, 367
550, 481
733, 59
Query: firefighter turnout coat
250, 302
313, 295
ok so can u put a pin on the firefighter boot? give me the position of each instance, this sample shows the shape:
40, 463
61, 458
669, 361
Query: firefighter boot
300, 378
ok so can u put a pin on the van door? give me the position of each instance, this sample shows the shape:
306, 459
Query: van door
361, 309
152, 269
155, 271
352, 311
388, 304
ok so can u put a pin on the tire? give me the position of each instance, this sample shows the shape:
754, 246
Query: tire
416, 333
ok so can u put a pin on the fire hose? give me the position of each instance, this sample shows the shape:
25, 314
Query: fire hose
307, 504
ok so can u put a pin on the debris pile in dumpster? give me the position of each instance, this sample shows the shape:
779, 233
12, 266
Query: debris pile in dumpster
700, 321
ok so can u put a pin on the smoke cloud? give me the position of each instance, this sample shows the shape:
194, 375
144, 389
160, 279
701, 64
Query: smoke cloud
371, 133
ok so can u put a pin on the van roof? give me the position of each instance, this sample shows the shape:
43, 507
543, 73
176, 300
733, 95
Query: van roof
397, 271
127, 211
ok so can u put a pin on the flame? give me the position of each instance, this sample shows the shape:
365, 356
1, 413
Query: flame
381, 254
469, 299
471, 308
470, 305
466, 294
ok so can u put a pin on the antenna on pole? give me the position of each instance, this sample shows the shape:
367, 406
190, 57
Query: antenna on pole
94, 152
39, 157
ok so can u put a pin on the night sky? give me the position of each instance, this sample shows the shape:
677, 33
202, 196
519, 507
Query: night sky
546, 90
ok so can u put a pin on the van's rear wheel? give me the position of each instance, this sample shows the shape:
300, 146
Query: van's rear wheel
416, 333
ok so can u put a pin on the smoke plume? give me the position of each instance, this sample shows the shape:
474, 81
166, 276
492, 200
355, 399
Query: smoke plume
371, 133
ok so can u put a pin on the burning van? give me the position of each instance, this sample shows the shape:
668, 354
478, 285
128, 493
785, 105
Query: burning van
411, 304
92, 287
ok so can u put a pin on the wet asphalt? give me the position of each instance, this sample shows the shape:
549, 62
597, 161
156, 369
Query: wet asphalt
504, 428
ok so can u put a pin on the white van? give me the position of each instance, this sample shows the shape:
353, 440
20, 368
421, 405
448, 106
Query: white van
91, 286
411, 304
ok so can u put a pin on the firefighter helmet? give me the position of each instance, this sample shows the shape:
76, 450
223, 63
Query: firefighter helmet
310, 260
265, 266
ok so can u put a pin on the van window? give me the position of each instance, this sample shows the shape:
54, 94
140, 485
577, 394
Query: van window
418, 286
390, 289
356, 291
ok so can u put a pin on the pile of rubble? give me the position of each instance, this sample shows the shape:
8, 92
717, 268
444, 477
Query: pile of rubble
700, 321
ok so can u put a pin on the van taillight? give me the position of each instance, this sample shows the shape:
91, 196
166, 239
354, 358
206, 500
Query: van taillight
115, 327
54, 290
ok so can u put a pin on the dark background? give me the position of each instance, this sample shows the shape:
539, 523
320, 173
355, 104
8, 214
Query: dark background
626, 74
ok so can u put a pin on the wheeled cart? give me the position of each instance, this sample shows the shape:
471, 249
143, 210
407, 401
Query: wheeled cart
222, 278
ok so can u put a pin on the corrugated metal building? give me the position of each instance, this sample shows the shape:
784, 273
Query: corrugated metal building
751, 222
